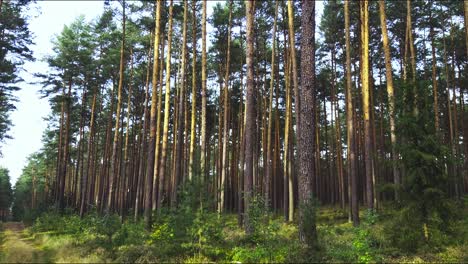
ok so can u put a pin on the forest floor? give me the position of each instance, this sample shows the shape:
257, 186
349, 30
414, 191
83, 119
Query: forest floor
183, 239
17, 245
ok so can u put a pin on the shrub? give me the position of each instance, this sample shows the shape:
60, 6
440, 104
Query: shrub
364, 244
130, 233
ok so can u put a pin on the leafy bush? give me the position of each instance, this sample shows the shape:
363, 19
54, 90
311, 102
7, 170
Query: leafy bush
106, 226
130, 233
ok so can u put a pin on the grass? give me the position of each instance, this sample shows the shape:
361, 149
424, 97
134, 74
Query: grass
207, 238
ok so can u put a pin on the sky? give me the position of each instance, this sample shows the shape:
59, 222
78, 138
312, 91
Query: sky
47, 19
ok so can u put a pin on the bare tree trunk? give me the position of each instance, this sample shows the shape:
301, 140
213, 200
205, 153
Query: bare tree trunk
66, 143
152, 137
167, 98
114, 168
412, 57
224, 165
306, 142
250, 115
203, 94
154, 195
84, 181
270, 115
292, 46
391, 97
366, 102
144, 132
193, 123
179, 173
125, 170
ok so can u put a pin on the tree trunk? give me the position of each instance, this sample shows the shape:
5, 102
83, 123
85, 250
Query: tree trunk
194, 93
286, 139
152, 136
270, 115
66, 143
366, 102
84, 182
391, 97
412, 57
224, 163
204, 99
306, 142
250, 115
180, 126
292, 46
167, 98
144, 132
350, 131
125, 170
154, 195
114, 168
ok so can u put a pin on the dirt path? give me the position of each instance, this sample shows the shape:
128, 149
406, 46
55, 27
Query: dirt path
13, 226
16, 247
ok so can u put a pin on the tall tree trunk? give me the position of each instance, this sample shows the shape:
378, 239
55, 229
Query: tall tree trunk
152, 136
114, 165
352, 176
125, 168
240, 209
292, 46
270, 114
194, 92
167, 98
224, 163
339, 153
250, 115
306, 142
435, 92
84, 181
412, 57
79, 160
154, 195
105, 170
66, 146
60, 147
286, 138
366, 102
179, 173
449, 108
144, 132
203, 95
391, 97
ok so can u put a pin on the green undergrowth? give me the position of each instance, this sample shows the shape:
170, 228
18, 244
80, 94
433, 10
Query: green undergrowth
197, 236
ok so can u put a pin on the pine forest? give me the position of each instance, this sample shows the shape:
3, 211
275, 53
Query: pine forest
240, 131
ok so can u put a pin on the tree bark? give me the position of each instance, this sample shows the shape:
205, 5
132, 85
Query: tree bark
306, 142
180, 126
391, 97
194, 93
167, 98
270, 114
152, 137
204, 99
224, 164
250, 115
351, 162
114, 168
366, 102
